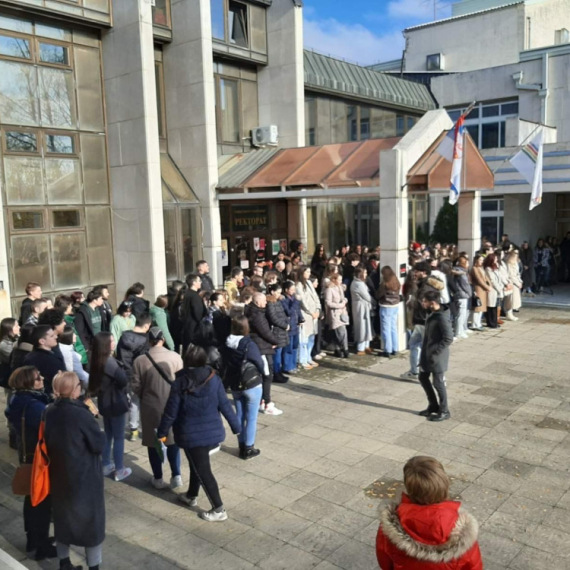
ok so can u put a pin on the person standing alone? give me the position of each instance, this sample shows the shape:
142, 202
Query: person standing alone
434, 359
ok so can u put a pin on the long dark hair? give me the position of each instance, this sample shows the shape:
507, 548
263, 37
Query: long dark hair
318, 257
100, 353
7, 328
300, 275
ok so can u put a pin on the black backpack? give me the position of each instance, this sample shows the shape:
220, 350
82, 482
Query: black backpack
249, 374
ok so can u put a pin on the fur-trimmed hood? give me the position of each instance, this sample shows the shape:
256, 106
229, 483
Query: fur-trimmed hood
438, 533
435, 283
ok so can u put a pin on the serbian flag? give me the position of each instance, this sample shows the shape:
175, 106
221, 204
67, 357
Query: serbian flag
457, 163
528, 162
451, 148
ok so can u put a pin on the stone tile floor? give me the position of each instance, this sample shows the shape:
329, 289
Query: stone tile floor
336, 455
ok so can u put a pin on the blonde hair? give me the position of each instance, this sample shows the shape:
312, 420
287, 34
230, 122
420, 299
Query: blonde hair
426, 481
64, 384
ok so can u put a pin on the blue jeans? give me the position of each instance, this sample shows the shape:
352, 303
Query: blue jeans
115, 438
306, 347
389, 328
290, 353
173, 455
277, 366
247, 409
416, 341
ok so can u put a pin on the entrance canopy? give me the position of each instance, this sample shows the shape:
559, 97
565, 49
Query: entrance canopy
339, 169
433, 172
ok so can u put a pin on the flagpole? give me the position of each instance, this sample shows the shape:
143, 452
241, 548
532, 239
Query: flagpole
467, 111
517, 148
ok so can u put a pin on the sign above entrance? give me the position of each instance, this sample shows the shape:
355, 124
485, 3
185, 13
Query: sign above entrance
250, 218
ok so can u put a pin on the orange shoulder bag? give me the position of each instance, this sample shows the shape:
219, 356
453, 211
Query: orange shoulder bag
40, 468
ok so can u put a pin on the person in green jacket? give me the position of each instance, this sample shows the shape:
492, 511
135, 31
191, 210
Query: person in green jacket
65, 304
161, 319
123, 321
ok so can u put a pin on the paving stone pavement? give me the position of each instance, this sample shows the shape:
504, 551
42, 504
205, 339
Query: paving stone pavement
310, 501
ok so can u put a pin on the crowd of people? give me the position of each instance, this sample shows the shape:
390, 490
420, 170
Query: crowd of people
166, 369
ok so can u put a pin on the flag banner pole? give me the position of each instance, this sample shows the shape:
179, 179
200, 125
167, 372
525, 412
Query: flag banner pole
516, 149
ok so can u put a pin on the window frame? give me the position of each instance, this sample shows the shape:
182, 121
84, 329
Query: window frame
161, 108
7, 152
219, 130
20, 36
168, 25
74, 135
479, 120
66, 229
11, 210
49, 41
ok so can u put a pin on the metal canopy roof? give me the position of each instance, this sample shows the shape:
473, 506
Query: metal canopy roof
323, 73
354, 164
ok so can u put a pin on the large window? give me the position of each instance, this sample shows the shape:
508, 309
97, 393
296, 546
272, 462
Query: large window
486, 122
492, 217
236, 104
338, 121
181, 241
54, 174
239, 24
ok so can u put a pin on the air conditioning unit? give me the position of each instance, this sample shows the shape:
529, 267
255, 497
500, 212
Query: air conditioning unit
561, 36
265, 136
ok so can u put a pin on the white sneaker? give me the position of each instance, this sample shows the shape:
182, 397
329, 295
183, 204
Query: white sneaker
176, 482
318, 357
271, 410
122, 473
213, 516
108, 469
159, 483
190, 501
409, 375
463, 336
215, 450
469, 331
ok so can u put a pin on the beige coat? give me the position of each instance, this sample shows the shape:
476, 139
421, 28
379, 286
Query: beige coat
481, 286
310, 304
516, 280
153, 389
335, 306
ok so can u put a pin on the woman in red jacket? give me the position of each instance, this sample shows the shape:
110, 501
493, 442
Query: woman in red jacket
426, 531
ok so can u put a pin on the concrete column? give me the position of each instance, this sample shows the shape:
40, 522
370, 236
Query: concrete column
191, 117
281, 84
469, 223
394, 221
134, 159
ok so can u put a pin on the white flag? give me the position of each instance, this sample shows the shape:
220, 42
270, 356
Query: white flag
528, 162
457, 163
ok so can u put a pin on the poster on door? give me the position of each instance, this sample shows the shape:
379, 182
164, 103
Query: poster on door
274, 247
259, 247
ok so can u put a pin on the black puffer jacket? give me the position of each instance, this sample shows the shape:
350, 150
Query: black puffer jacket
278, 320
131, 345
260, 330
139, 305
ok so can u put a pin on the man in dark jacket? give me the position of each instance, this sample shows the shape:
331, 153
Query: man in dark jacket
88, 319
267, 341
203, 270
44, 357
434, 359
193, 311
131, 346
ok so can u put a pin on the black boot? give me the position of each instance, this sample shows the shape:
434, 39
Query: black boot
346, 354
250, 452
440, 417
279, 378
428, 412
242, 450
338, 353
46, 550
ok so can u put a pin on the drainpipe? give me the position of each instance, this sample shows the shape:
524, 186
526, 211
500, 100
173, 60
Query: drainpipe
541, 89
